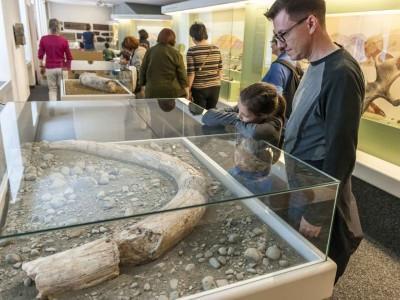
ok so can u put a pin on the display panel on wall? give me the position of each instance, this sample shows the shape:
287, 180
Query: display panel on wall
75, 25
374, 41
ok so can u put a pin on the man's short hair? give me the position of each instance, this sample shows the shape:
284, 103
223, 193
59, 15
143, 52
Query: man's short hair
198, 31
54, 25
298, 9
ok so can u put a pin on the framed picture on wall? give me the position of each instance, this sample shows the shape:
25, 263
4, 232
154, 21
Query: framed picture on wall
19, 35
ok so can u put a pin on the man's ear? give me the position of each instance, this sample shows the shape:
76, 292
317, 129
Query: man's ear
312, 24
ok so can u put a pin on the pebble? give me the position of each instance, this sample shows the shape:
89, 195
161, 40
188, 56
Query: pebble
222, 251
222, 260
222, 282
102, 229
35, 252
190, 267
58, 183
27, 281
17, 265
30, 177
91, 169
51, 249
257, 231
129, 212
283, 263
173, 283
208, 254
233, 238
239, 276
251, 270
5, 242
208, 283
134, 285
125, 189
162, 297
68, 191
56, 203
252, 255
65, 170
48, 157
76, 171
136, 293
273, 252
147, 287
104, 179
231, 251
13, 258
265, 262
100, 195
214, 263
230, 271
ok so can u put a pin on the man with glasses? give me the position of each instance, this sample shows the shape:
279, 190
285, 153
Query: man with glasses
322, 129
285, 74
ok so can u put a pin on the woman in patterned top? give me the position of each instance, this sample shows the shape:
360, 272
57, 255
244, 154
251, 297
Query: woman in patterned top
204, 68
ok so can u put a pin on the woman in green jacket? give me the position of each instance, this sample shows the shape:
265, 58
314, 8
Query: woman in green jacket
163, 73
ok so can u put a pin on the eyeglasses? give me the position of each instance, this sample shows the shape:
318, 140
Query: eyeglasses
280, 36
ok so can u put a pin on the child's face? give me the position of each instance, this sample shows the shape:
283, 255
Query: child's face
245, 115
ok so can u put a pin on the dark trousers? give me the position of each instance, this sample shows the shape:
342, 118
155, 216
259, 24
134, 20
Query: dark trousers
207, 97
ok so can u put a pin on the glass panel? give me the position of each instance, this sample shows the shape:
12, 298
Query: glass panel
160, 158
230, 244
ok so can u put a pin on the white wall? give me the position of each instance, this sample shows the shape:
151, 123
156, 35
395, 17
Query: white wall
16, 55
79, 13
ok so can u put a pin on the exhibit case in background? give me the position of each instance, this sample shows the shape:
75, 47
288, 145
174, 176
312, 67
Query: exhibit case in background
238, 28
138, 199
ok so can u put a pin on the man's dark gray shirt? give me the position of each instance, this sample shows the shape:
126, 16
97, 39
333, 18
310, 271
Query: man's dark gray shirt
323, 126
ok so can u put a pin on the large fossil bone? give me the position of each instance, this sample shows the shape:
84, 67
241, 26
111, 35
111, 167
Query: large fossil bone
387, 73
98, 82
142, 242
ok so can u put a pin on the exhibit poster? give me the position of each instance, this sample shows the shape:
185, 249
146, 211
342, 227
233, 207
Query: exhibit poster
374, 40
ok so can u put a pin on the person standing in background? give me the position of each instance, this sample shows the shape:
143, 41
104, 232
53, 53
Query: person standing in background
108, 54
204, 68
88, 38
132, 45
143, 36
58, 57
284, 74
163, 72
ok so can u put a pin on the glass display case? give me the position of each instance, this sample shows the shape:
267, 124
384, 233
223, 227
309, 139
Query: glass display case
139, 200
72, 89
240, 32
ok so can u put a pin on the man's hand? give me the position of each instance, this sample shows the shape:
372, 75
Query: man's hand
309, 230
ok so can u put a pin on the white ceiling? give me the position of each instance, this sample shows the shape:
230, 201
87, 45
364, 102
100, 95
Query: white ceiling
93, 2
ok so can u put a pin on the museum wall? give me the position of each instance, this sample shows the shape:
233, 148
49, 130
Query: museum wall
79, 13
15, 54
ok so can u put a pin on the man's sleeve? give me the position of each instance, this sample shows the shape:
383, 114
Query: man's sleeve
143, 69
342, 113
41, 49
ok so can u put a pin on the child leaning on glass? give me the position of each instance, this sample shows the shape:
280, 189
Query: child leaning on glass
260, 114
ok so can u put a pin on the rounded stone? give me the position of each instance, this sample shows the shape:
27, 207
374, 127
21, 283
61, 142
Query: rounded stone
252, 255
233, 238
208, 283
173, 283
189, 267
283, 263
13, 258
214, 263
273, 252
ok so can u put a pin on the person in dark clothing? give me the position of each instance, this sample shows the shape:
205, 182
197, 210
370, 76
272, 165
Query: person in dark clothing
326, 111
260, 114
204, 68
163, 74
143, 36
88, 38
